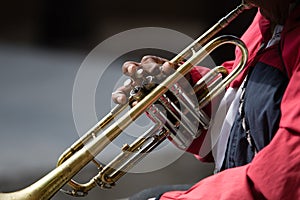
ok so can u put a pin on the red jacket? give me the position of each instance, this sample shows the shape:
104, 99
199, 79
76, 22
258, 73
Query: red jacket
274, 173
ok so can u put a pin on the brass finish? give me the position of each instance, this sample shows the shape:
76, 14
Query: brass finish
92, 143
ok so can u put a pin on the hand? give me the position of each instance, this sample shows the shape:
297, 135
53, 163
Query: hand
149, 65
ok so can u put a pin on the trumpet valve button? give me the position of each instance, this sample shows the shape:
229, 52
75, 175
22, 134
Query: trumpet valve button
128, 83
139, 73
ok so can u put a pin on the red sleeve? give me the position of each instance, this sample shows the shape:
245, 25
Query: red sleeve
274, 173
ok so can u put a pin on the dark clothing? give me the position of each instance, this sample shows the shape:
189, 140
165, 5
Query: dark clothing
262, 115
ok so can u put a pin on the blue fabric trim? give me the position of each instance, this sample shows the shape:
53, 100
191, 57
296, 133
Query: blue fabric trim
264, 90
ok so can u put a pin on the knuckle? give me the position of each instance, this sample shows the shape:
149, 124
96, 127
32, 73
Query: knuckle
147, 58
126, 66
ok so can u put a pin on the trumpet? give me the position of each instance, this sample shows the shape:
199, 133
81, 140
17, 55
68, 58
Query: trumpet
166, 126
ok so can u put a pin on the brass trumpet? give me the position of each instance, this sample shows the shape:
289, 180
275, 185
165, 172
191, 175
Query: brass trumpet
92, 143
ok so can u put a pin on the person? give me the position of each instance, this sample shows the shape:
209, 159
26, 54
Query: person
257, 155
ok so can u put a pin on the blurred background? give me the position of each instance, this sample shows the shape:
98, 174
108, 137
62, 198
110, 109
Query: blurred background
42, 45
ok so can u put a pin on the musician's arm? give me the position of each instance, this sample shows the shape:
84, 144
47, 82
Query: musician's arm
274, 171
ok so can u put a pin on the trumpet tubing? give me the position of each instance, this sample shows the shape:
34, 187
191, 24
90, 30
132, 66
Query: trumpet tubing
92, 143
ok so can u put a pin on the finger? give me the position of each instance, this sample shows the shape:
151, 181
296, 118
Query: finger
120, 95
167, 68
129, 68
152, 64
153, 59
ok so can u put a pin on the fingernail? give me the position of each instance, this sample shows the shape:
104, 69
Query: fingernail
121, 99
131, 69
